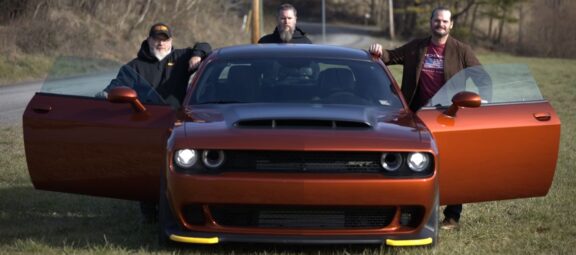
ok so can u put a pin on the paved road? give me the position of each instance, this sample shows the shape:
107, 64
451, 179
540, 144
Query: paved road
13, 101
353, 36
14, 98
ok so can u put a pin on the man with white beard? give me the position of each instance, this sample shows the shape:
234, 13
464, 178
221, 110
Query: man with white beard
167, 70
286, 31
162, 67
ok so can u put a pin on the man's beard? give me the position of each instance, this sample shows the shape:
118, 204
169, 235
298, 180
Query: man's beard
440, 33
160, 54
286, 34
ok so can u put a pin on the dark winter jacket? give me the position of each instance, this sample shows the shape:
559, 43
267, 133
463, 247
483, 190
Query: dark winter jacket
298, 37
169, 77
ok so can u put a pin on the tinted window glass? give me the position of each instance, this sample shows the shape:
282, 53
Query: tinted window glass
286, 80
91, 78
496, 84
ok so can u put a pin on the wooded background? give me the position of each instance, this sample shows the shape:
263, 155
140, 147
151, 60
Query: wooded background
114, 29
527, 27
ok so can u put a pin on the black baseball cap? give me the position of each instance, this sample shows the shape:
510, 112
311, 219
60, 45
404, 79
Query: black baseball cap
160, 29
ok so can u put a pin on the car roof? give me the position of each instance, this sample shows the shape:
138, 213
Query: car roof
292, 50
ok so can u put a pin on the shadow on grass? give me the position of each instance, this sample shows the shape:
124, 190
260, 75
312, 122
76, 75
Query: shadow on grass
57, 219
64, 221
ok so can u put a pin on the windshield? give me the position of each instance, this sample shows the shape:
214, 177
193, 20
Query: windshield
92, 78
290, 80
496, 84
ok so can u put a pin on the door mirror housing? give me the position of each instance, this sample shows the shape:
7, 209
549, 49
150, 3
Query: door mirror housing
463, 99
125, 94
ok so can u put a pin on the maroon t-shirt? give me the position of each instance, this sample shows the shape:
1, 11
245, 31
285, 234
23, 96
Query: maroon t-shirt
432, 75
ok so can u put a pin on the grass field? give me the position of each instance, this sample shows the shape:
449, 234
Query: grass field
18, 68
41, 222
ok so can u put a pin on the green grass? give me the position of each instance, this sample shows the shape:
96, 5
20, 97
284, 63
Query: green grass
14, 69
19, 68
41, 222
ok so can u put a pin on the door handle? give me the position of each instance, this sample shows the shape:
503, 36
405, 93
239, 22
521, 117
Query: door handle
42, 109
542, 116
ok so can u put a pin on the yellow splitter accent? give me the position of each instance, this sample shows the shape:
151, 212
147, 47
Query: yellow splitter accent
215, 240
198, 240
415, 242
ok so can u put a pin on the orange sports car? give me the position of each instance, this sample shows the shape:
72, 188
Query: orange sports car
295, 144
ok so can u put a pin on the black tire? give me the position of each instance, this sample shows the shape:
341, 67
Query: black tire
434, 220
165, 216
149, 212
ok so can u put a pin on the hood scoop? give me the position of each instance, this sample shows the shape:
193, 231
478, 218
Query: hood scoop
302, 123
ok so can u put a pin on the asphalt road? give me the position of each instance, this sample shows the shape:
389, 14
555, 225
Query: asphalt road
14, 98
13, 101
353, 36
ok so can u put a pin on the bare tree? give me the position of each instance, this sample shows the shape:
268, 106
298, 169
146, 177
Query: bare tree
143, 13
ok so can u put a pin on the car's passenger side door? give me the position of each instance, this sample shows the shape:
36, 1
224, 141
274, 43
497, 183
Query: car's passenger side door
506, 148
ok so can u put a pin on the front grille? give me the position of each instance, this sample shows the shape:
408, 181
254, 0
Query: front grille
298, 161
309, 217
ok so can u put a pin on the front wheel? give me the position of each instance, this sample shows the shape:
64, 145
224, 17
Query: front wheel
433, 222
165, 216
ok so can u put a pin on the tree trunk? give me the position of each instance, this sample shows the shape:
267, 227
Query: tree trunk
391, 19
520, 28
374, 12
503, 19
489, 35
473, 22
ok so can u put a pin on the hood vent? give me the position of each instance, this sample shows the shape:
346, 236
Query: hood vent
302, 123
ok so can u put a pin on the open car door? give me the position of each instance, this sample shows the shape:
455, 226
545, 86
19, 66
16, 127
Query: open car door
77, 141
506, 148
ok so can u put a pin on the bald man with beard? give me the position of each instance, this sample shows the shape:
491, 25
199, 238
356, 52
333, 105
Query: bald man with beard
286, 31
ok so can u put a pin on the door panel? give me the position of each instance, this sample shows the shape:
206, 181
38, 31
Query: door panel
91, 146
495, 152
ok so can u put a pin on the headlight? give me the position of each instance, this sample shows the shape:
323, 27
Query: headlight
213, 159
185, 158
391, 161
418, 162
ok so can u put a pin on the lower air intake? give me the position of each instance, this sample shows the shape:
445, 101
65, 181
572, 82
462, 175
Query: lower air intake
303, 217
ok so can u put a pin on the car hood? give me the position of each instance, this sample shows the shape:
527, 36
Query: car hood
301, 127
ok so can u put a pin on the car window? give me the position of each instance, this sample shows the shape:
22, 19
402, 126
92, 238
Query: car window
92, 78
496, 84
291, 80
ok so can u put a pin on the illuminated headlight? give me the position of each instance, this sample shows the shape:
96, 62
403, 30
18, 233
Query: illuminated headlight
213, 159
418, 162
185, 158
391, 161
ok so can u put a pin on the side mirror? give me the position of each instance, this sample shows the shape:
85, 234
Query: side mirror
463, 99
124, 94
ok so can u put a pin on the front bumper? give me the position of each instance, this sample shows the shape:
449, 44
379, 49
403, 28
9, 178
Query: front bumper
420, 239
207, 192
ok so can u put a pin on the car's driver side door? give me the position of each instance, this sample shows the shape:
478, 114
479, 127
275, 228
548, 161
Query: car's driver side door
76, 141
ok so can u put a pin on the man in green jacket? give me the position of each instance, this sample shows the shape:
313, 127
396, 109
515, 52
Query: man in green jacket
428, 63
